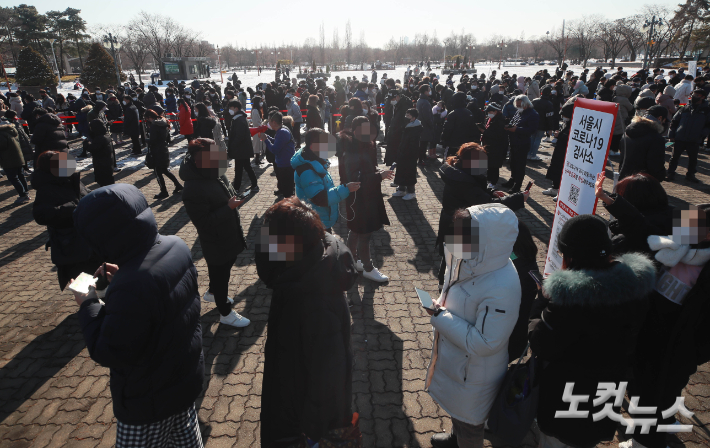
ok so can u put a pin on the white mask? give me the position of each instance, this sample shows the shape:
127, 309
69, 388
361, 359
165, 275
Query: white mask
474, 87
393, 102
554, 92
232, 112
125, 103
135, 98
491, 115
565, 119
364, 111
187, 96
520, 109
502, 92
209, 108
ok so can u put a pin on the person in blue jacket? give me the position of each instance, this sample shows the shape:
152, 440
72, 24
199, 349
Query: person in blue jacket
313, 182
524, 123
282, 146
146, 329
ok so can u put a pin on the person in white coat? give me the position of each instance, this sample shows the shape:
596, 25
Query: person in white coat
684, 90
474, 317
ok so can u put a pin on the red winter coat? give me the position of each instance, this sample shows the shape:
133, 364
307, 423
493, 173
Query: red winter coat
185, 119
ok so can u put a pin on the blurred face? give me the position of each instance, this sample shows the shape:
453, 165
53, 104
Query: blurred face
62, 165
214, 159
463, 242
478, 163
690, 226
279, 247
362, 132
324, 147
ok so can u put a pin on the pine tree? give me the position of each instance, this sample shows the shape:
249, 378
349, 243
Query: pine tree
33, 70
99, 69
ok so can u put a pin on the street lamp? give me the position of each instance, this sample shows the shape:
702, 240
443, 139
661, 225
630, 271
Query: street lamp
110, 41
501, 45
650, 25
56, 67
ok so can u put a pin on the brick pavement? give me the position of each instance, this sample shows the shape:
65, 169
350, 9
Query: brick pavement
53, 394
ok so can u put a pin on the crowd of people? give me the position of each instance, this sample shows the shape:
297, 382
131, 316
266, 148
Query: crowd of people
629, 304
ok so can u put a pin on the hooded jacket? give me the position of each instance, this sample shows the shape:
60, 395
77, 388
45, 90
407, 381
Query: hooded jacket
481, 297
533, 91
185, 119
16, 104
101, 153
10, 150
206, 196
49, 135
683, 91
407, 154
204, 126
308, 358
459, 127
587, 332
148, 331
621, 97
312, 178
665, 99
645, 149
158, 142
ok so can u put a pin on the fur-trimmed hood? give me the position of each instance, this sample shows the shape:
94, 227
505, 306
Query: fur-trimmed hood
631, 278
641, 126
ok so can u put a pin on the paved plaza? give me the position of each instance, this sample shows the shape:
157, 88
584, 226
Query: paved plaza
53, 394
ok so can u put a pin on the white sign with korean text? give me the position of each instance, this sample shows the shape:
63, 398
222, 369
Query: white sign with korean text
589, 138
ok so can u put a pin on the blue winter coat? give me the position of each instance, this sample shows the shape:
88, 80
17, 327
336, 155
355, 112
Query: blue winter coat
148, 332
526, 123
171, 104
282, 146
312, 177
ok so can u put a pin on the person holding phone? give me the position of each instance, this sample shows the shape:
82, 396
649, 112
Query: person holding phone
211, 203
473, 320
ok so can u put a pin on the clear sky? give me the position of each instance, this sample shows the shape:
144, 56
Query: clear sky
249, 23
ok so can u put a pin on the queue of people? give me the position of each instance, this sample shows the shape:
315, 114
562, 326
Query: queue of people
596, 320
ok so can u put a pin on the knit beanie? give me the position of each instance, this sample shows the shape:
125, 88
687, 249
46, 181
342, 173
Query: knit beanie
584, 236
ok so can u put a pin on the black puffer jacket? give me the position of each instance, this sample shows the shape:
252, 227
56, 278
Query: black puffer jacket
239, 145
463, 190
131, 120
459, 127
691, 123
645, 149
495, 141
54, 204
407, 154
48, 135
158, 142
204, 126
308, 359
101, 153
587, 332
148, 332
205, 196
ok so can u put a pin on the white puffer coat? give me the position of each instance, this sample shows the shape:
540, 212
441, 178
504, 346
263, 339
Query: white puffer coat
481, 298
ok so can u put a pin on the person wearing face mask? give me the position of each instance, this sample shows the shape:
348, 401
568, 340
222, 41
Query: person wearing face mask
314, 185
282, 146
522, 126
98, 95
135, 95
426, 139
473, 320
557, 162
101, 153
645, 148
240, 147
400, 104
131, 123
158, 148
185, 119
690, 125
211, 203
494, 141
498, 95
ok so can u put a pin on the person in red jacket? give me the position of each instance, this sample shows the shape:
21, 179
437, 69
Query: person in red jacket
185, 119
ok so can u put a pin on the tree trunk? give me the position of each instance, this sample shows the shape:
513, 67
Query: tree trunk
613, 61
78, 52
632, 56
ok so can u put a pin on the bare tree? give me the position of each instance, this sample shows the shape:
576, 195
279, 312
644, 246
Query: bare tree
634, 35
558, 44
536, 44
321, 42
584, 33
422, 43
135, 49
612, 39
149, 27
348, 42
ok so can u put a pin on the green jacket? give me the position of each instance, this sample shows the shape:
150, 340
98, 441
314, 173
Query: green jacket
10, 151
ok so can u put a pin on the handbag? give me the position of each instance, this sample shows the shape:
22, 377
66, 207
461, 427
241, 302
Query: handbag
149, 160
515, 406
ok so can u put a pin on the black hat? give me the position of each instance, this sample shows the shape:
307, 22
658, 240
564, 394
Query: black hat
645, 102
657, 111
567, 110
584, 236
493, 106
393, 92
700, 92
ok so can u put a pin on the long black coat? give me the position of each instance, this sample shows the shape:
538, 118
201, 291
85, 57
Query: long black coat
54, 204
48, 134
463, 190
205, 196
369, 212
308, 359
557, 163
239, 146
408, 154
131, 120
158, 142
101, 153
148, 332
427, 119
459, 127
587, 333
396, 127
495, 141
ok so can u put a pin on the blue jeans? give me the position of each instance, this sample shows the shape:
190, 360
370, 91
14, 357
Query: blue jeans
17, 179
535, 140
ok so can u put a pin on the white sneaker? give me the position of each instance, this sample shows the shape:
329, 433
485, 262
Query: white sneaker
409, 196
394, 185
555, 199
399, 193
550, 192
358, 266
234, 319
375, 276
208, 297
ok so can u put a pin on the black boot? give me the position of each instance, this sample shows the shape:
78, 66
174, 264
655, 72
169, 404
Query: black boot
444, 440
692, 179
670, 176
508, 184
161, 195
